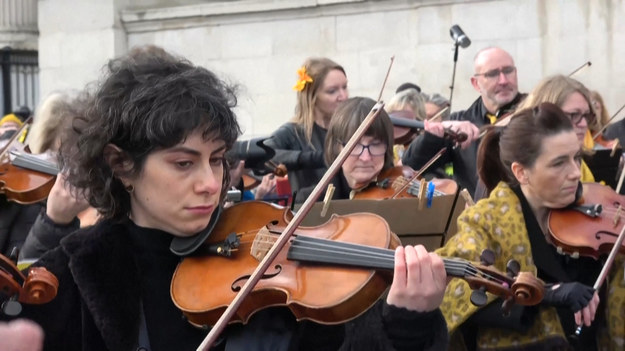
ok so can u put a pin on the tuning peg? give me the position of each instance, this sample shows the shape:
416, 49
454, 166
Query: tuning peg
487, 257
506, 306
513, 268
478, 297
12, 307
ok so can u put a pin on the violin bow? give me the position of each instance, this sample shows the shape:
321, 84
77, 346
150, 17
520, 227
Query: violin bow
586, 64
419, 172
606, 267
282, 240
438, 114
15, 138
608, 123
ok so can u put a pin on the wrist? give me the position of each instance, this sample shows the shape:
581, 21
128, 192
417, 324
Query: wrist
59, 218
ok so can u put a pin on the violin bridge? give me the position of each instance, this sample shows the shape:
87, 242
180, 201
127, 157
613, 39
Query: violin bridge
617, 217
263, 241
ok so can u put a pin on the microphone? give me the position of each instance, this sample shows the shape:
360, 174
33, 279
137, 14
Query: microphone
459, 37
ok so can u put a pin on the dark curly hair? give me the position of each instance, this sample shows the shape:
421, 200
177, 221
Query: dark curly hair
148, 100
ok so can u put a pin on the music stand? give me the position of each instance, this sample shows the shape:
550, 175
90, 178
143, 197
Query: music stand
427, 226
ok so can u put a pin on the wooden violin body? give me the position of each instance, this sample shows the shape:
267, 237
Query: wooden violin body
330, 273
590, 230
323, 293
24, 186
395, 183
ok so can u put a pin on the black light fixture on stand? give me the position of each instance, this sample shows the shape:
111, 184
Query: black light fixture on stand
462, 40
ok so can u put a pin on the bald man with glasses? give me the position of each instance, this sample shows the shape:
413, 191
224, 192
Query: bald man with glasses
495, 78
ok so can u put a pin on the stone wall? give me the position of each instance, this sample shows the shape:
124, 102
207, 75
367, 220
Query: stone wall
259, 44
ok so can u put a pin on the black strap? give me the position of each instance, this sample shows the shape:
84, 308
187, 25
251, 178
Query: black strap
144, 338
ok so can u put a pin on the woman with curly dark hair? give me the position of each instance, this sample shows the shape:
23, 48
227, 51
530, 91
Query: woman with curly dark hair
149, 152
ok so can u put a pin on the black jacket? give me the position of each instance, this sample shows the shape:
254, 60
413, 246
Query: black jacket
426, 145
45, 235
303, 162
102, 285
15, 222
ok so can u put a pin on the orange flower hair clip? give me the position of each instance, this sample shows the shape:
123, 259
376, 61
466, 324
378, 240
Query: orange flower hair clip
303, 79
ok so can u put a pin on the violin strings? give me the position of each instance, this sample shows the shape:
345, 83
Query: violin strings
388, 256
365, 253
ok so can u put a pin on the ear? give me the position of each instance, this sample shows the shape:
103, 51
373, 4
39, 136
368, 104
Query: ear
117, 159
475, 85
520, 173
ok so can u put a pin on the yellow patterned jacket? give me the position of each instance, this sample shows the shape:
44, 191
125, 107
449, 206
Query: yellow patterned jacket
497, 223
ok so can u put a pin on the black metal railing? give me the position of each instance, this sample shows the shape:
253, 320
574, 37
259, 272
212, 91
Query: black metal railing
19, 70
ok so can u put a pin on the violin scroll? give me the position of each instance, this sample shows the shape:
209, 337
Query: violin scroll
521, 288
39, 287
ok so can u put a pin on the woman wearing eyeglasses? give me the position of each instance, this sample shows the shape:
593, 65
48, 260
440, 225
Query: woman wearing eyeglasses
370, 157
574, 99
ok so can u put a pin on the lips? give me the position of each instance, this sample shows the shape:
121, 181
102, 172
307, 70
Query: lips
201, 210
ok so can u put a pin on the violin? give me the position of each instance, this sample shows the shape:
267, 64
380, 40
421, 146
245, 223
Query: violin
398, 182
251, 180
18, 184
591, 227
405, 129
39, 287
329, 274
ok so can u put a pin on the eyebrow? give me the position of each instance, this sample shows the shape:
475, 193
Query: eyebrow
194, 152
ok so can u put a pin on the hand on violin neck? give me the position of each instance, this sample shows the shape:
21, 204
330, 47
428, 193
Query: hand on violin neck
419, 279
581, 299
467, 128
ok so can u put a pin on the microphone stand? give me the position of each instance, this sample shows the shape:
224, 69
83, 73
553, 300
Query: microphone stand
453, 75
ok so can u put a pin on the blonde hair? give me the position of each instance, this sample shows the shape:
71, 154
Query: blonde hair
408, 98
317, 69
556, 89
604, 118
52, 120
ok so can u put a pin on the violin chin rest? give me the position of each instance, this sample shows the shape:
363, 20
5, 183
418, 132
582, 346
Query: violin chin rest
184, 246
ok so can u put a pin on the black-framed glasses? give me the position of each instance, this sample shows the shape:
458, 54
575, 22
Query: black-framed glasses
494, 73
576, 117
375, 149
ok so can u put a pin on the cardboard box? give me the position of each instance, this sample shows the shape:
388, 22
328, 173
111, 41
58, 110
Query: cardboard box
426, 226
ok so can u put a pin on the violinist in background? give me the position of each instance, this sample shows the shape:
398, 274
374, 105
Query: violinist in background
529, 167
59, 215
372, 155
409, 104
575, 101
434, 103
15, 219
151, 152
495, 78
321, 87
603, 117
9, 125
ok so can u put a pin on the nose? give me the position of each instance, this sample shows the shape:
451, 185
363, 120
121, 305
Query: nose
582, 123
343, 94
208, 181
365, 155
503, 78
576, 172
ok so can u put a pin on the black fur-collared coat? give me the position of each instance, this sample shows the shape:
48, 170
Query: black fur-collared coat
106, 275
